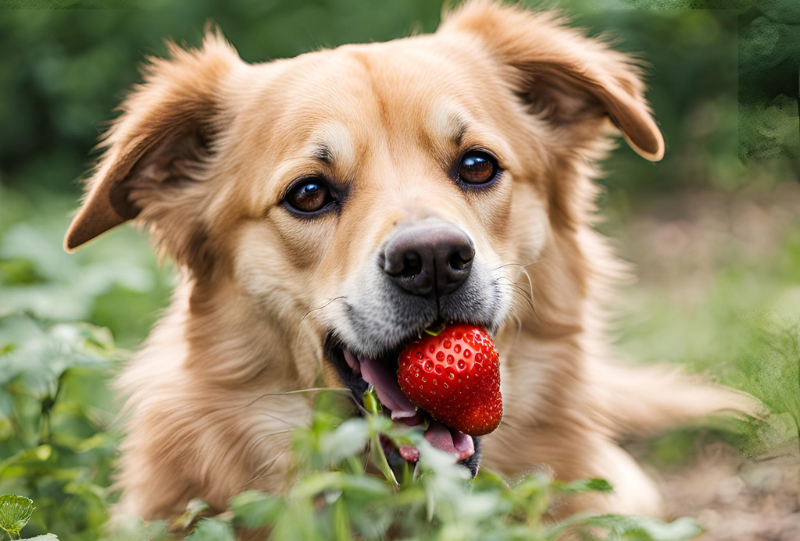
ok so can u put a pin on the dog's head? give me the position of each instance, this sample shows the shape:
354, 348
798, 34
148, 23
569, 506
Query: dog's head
353, 197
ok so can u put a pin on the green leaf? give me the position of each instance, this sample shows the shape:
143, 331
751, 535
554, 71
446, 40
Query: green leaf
193, 509
371, 402
647, 528
584, 485
363, 485
342, 530
337, 407
211, 529
379, 459
347, 440
486, 478
15, 512
256, 509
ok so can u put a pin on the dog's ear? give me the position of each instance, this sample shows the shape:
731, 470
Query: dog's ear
563, 76
159, 142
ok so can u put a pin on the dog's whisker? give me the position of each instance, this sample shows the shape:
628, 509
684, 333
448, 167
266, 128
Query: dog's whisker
328, 302
526, 296
298, 391
322, 307
530, 285
515, 265
522, 269
264, 469
315, 390
516, 291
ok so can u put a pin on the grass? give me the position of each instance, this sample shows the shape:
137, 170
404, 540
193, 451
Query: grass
742, 330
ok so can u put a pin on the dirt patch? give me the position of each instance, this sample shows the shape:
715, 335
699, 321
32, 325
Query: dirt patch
736, 499
682, 240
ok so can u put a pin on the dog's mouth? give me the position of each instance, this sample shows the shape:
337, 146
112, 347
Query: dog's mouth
359, 372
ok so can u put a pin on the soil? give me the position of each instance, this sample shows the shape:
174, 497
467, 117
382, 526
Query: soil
736, 499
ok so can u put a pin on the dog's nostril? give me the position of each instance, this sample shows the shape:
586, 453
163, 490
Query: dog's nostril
412, 264
460, 261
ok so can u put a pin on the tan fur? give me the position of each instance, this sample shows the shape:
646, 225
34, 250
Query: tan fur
202, 155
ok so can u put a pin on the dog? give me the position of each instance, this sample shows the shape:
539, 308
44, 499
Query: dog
334, 205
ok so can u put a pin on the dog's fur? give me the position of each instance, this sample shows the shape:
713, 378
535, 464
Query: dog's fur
203, 154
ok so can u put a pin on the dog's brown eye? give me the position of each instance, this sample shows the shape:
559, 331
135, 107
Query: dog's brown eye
477, 167
310, 195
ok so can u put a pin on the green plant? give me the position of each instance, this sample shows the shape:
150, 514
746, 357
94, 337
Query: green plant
56, 442
15, 512
336, 498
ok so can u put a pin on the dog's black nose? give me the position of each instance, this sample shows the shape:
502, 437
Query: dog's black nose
429, 257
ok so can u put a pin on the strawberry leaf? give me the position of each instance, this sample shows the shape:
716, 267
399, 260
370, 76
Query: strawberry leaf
436, 330
15, 512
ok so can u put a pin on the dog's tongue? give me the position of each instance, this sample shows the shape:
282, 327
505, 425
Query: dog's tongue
450, 440
385, 383
384, 380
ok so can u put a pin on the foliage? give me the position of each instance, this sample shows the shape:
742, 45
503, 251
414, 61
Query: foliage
769, 80
768, 71
15, 512
65, 70
56, 410
114, 283
55, 439
335, 499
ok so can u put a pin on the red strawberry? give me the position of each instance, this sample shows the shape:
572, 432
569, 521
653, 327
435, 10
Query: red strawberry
455, 377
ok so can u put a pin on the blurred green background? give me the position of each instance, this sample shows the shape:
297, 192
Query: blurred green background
714, 228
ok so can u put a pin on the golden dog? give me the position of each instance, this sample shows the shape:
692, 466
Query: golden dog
342, 201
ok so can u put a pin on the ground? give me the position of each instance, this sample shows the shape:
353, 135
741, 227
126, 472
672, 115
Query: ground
686, 246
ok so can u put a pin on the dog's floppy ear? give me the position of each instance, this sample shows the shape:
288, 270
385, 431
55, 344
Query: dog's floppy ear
164, 132
564, 76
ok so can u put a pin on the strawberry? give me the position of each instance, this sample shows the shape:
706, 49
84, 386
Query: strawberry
455, 377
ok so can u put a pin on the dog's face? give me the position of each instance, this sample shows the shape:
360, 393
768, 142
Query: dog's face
381, 191
353, 197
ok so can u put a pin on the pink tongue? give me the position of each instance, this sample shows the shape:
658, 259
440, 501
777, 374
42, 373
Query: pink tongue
385, 383
450, 441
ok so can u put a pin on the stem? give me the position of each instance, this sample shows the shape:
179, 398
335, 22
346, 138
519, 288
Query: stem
380, 459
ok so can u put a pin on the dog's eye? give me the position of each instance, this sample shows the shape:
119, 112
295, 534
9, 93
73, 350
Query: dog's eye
309, 195
477, 167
